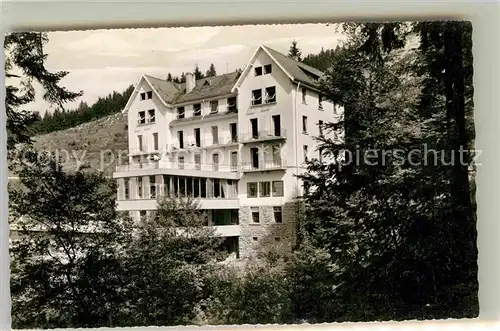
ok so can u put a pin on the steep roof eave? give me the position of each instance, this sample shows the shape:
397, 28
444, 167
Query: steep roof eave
249, 65
136, 90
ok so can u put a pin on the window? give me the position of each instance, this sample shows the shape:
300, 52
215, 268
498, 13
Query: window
203, 187
277, 239
278, 188
151, 116
197, 109
126, 189
278, 214
255, 214
258, 71
152, 187
257, 97
215, 161
216, 188
303, 95
252, 190
196, 187
189, 184
182, 187
180, 112
305, 153
267, 69
139, 141
197, 161
254, 124
180, 138
304, 124
142, 117
277, 125
215, 135
254, 156
276, 155
270, 94
181, 162
197, 137
139, 187
265, 189
155, 141
320, 126
166, 185
234, 132
231, 104
143, 96
214, 106
320, 102
234, 161
142, 214
150, 94
255, 238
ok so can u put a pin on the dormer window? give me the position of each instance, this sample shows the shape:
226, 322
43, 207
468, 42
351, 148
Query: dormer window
257, 97
231, 104
197, 109
258, 71
150, 95
270, 94
142, 117
151, 116
267, 69
214, 106
180, 112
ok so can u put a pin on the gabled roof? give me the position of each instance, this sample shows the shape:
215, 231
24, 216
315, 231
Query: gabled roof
171, 93
210, 87
295, 70
299, 71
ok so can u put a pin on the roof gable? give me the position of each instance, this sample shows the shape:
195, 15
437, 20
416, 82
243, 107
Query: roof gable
295, 70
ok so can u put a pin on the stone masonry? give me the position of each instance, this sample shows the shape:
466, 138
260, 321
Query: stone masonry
266, 233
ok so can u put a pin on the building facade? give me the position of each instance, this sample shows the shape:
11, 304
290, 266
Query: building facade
235, 142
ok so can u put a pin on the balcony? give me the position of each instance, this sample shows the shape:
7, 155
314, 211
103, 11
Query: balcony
204, 143
263, 135
263, 166
178, 165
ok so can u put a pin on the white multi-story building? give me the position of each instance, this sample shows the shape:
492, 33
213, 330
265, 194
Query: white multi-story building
235, 141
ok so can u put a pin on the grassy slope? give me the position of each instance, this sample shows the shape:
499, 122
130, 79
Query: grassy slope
90, 141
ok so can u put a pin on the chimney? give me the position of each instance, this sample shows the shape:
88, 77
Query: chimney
190, 82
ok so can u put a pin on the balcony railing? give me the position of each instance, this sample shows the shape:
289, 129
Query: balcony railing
263, 165
263, 135
222, 167
205, 143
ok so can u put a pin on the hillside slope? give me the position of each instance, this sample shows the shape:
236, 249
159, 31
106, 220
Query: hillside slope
98, 144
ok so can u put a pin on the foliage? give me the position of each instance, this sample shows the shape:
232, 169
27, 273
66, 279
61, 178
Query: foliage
62, 119
64, 254
395, 230
294, 51
24, 53
211, 72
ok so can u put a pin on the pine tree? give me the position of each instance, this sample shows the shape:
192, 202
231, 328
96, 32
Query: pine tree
197, 73
211, 71
169, 77
397, 232
67, 248
294, 51
25, 51
183, 78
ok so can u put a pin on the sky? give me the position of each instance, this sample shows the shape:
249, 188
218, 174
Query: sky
101, 61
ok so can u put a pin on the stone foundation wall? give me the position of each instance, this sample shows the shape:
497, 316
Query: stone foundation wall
267, 230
